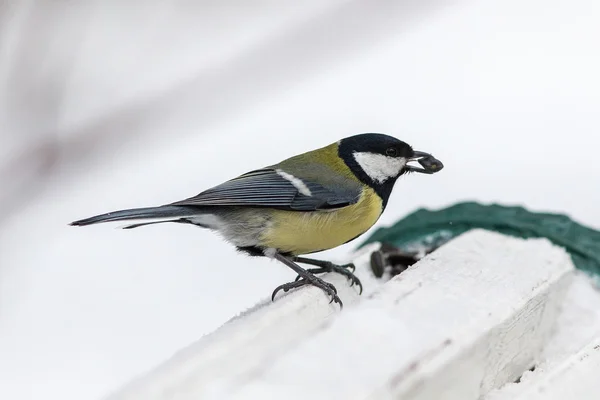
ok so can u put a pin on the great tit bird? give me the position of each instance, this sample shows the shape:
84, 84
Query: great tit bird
308, 203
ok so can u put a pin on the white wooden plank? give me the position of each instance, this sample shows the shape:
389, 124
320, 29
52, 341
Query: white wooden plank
468, 318
251, 339
565, 365
578, 378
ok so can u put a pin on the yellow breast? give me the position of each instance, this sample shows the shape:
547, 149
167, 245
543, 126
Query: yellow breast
309, 232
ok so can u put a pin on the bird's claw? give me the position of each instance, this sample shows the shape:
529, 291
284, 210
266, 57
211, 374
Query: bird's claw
347, 270
349, 266
327, 287
286, 287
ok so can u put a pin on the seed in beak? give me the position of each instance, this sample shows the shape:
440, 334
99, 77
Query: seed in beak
431, 163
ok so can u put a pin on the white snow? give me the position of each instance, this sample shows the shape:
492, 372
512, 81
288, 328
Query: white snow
575, 378
578, 325
456, 319
156, 102
250, 340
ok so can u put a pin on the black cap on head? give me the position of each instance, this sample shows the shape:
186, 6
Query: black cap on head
376, 143
376, 159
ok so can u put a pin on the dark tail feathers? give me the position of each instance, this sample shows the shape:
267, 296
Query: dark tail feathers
139, 213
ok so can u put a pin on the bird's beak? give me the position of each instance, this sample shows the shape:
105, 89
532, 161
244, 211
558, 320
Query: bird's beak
419, 154
429, 164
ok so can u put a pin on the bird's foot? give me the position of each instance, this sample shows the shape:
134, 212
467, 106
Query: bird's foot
346, 269
310, 279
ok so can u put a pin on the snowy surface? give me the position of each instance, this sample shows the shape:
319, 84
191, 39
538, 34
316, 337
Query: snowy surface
156, 105
577, 326
250, 340
457, 319
575, 378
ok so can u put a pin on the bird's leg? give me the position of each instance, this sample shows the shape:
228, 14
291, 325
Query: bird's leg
307, 278
327, 266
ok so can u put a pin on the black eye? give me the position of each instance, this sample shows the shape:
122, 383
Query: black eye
391, 151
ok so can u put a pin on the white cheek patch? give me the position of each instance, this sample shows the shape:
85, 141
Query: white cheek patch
297, 182
380, 168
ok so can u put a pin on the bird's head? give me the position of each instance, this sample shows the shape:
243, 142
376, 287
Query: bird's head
378, 160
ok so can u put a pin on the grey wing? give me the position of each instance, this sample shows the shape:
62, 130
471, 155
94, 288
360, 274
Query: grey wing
272, 188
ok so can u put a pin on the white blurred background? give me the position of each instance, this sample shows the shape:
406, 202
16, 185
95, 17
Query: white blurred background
107, 104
